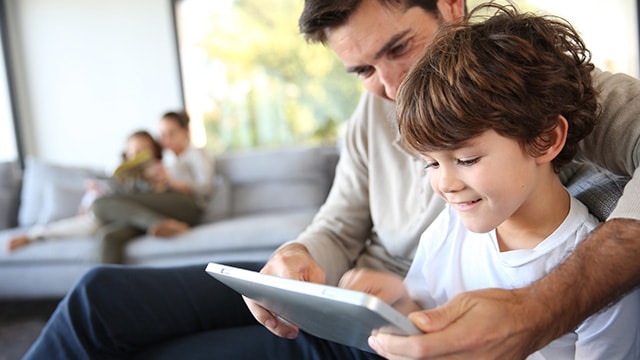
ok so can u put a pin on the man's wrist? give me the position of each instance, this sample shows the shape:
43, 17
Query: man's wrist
293, 247
541, 308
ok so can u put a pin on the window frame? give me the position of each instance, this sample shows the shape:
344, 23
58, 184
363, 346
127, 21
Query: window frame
176, 41
11, 85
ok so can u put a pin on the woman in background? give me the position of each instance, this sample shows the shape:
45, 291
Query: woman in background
187, 178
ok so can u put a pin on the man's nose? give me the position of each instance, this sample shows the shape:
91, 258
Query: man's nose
390, 81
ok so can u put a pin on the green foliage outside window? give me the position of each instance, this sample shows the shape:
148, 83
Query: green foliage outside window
270, 87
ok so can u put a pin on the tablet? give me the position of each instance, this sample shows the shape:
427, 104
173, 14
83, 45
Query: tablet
340, 315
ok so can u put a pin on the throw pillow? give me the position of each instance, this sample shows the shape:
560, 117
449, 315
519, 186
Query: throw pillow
59, 201
37, 174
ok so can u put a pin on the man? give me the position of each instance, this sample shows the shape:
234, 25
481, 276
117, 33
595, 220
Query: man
379, 205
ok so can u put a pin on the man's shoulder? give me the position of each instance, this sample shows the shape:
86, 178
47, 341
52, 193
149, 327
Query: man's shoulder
373, 107
596, 188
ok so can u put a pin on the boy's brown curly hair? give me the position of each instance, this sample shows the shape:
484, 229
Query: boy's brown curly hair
512, 72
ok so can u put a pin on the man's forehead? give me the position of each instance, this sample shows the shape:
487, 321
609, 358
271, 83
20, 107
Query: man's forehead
374, 28
369, 11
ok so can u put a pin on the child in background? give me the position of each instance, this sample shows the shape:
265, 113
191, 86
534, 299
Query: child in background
140, 160
495, 108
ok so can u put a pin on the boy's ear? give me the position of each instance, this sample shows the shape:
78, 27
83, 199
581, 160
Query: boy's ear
556, 139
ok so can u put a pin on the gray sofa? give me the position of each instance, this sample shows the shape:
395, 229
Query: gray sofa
262, 199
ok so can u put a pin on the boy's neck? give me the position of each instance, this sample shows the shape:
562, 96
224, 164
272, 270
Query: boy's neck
547, 209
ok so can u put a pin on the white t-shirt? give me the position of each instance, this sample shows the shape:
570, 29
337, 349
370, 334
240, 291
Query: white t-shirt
194, 167
451, 259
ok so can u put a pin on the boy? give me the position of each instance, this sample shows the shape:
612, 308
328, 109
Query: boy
495, 109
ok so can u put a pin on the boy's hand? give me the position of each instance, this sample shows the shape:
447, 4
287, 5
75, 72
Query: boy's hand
388, 287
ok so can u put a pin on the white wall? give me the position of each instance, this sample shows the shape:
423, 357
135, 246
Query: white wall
91, 72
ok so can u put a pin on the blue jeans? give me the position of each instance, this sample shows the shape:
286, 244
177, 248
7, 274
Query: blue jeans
174, 313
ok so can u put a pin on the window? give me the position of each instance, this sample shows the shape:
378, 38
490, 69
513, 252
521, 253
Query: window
608, 28
250, 80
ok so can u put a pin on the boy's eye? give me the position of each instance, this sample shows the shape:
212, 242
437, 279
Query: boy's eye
468, 162
431, 165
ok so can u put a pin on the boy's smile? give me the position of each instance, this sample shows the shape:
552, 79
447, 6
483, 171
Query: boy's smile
466, 205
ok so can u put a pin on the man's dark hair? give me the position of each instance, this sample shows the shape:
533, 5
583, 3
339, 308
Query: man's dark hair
319, 15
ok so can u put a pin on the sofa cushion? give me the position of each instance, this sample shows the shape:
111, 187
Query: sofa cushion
220, 204
52, 251
40, 174
264, 231
279, 179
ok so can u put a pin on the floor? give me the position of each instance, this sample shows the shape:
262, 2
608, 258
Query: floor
20, 324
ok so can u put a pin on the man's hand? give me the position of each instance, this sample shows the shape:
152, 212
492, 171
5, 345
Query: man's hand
292, 261
483, 324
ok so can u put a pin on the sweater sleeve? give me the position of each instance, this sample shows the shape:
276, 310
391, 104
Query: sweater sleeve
340, 230
614, 143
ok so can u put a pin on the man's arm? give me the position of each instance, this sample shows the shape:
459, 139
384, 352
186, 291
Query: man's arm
614, 143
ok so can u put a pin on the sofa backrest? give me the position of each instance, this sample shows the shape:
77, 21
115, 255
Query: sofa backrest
280, 179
